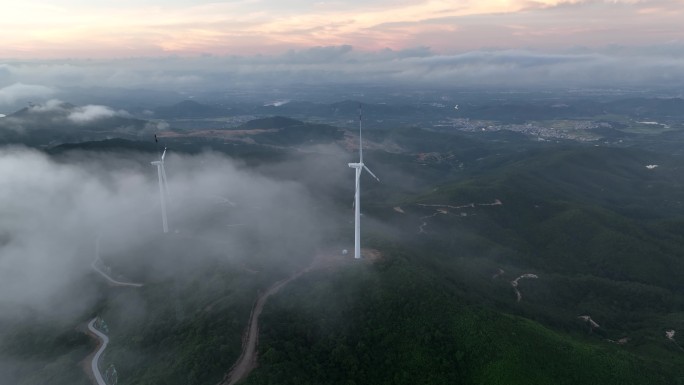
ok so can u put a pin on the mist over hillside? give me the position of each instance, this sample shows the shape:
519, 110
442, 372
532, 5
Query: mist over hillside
67, 212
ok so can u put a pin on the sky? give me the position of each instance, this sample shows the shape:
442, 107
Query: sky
192, 46
113, 29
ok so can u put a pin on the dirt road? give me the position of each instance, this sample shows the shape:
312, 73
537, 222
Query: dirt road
248, 358
250, 340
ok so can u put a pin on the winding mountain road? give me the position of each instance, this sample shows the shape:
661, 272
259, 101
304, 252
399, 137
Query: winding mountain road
106, 276
443, 209
248, 358
514, 284
103, 341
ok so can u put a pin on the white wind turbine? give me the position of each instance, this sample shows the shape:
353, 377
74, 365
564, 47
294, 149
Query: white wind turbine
163, 189
357, 197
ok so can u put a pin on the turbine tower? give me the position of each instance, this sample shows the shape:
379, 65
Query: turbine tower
163, 189
357, 197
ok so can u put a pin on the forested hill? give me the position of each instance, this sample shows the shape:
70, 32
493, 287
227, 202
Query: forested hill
601, 233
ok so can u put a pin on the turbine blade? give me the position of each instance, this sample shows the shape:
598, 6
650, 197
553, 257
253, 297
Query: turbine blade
360, 139
166, 186
163, 154
371, 172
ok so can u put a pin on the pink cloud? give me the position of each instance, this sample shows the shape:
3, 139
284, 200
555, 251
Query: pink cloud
246, 28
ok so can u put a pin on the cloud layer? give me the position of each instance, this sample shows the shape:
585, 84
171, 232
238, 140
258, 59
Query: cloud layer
609, 66
18, 92
91, 112
55, 116
52, 212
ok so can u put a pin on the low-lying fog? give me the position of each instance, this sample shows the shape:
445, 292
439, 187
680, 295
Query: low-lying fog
52, 210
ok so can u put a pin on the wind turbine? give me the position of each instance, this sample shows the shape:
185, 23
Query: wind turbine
357, 197
163, 189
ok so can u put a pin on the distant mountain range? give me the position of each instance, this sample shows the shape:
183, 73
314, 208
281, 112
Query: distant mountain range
59, 122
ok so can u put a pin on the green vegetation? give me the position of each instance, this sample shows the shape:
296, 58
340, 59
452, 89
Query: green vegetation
185, 325
603, 233
31, 353
395, 323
